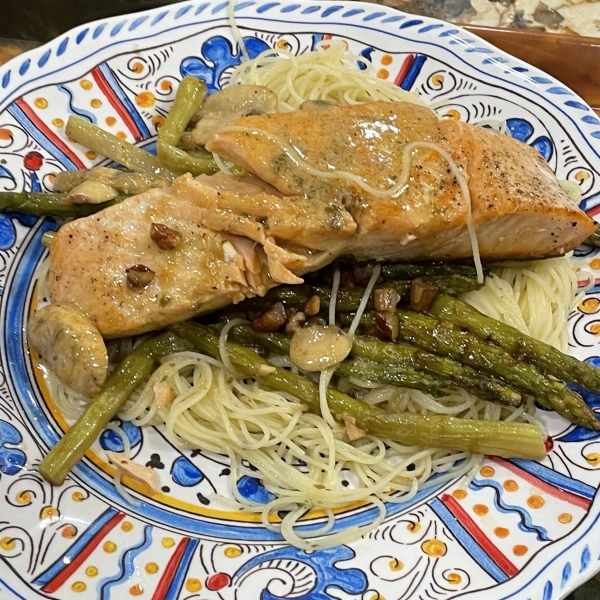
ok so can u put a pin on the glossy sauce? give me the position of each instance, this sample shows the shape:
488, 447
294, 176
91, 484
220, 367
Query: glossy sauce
319, 347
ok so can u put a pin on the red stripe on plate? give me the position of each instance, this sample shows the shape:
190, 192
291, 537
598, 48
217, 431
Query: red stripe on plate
593, 211
53, 585
486, 544
550, 489
170, 570
116, 103
408, 61
52, 137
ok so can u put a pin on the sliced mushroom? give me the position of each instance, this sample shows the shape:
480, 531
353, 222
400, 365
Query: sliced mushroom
71, 346
65, 181
296, 321
386, 327
386, 299
271, 320
91, 191
221, 108
422, 295
318, 347
89, 186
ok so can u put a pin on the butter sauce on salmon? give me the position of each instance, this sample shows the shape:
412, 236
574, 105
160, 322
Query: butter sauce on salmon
519, 208
320, 183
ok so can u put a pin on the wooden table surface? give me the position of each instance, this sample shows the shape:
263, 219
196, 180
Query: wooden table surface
572, 59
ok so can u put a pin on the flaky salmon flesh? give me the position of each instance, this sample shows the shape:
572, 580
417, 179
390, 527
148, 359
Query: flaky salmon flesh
377, 181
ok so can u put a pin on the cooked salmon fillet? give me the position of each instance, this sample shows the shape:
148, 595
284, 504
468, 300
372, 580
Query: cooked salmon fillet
318, 187
228, 249
519, 208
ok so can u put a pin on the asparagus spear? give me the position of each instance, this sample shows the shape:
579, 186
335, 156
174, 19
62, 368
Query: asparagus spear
446, 339
180, 161
414, 270
594, 239
365, 370
136, 367
348, 299
42, 205
405, 366
524, 347
122, 181
188, 99
487, 437
482, 385
371, 371
115, 148
275, 343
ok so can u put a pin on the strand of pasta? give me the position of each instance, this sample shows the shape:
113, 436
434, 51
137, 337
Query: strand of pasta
327, 74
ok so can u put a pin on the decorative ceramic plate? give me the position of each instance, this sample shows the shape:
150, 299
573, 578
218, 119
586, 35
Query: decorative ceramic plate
519, 530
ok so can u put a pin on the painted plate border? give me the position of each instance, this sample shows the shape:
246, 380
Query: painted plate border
580, 550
